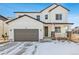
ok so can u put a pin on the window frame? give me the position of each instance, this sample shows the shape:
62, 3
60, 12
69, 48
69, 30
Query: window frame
58, 29
38, 17
58, 16
46, 16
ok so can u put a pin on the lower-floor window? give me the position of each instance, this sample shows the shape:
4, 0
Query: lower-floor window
57, 29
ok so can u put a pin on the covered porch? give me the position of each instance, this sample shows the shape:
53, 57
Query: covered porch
56, 30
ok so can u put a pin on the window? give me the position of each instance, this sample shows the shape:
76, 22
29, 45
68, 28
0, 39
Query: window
46, 16
38, 17
58, 16
57, 29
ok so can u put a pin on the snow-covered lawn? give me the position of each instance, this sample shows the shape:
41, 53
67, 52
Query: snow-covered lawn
57, 48
36, 48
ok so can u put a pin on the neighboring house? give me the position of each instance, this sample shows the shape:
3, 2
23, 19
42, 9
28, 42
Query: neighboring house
33, 26
3, 26
75, 34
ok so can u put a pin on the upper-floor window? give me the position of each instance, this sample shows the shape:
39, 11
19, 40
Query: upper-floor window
38, 17
57, 29
46, 16
58, 16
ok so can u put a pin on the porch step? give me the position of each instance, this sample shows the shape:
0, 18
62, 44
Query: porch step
46, 39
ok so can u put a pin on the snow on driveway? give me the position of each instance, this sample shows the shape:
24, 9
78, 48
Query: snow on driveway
57, 48
37, 48
15, 48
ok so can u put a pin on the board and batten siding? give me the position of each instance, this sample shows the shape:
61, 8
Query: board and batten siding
25, 23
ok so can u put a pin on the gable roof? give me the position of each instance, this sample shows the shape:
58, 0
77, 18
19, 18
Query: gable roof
47, 8
64, 8
53, 8
3, 18
23, 16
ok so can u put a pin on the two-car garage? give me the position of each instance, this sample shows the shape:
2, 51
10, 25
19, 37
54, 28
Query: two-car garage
26, 35
25, 28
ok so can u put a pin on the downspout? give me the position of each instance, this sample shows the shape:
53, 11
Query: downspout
3, 27
54, 32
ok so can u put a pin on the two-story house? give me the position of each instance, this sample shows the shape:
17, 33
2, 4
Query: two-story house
33, 26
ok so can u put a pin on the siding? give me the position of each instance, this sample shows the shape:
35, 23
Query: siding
3, 28
51, 14
25, 23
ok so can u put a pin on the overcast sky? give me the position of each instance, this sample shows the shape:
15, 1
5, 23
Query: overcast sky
7, 9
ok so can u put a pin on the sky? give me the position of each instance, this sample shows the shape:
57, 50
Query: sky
8, 9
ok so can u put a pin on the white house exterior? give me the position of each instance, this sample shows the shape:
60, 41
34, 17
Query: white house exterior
54, 18
25, 22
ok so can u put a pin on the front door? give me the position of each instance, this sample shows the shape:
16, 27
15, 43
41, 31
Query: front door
46, 31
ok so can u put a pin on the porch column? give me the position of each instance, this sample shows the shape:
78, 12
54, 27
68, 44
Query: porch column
53, 27
53, 31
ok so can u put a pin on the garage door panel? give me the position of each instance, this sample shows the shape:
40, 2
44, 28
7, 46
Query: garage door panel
26, 34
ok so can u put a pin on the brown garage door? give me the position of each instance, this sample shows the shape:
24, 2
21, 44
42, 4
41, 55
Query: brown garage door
26, 35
